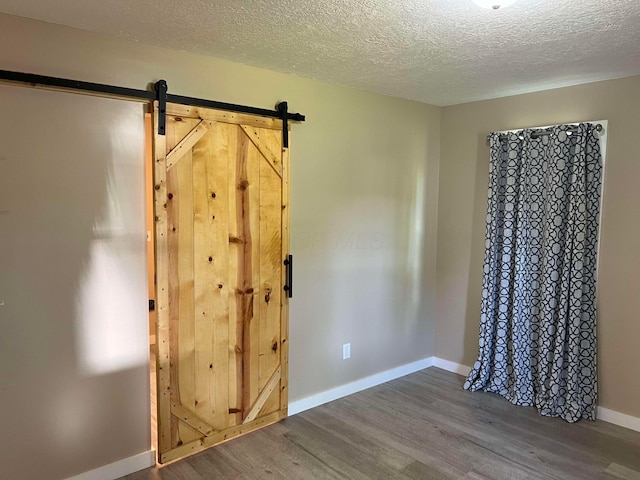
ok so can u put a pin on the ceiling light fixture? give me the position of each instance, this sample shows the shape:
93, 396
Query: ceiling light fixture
494, 4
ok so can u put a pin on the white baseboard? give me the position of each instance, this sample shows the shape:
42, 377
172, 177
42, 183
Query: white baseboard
357, 386
604, 414
120, 468
617, 418
451, 366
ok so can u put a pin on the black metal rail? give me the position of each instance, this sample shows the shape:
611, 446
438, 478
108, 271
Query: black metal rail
159, 93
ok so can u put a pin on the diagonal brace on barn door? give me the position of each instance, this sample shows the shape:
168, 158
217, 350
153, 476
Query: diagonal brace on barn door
264, 396
187, 143
193, 420
272, 159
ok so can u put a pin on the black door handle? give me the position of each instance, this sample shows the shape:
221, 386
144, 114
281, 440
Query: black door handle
289, 286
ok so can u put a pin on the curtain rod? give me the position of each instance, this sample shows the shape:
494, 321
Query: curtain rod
544, 131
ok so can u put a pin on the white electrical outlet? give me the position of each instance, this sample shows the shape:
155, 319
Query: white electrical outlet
346, 351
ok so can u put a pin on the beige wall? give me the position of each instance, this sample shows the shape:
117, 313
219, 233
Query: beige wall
462, 211
73, 340
364, 206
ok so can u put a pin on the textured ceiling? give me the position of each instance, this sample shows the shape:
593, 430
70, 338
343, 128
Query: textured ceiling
436, 51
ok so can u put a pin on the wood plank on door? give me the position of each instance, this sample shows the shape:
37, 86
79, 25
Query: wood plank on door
223, 201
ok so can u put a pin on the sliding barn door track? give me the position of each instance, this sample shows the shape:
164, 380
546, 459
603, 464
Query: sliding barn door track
158, 93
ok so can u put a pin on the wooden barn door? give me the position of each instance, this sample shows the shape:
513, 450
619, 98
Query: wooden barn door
222, 230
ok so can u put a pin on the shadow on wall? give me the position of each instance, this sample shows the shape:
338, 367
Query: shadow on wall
73, 327
476, 255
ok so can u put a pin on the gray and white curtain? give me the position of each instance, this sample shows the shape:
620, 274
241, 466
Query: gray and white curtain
538, 317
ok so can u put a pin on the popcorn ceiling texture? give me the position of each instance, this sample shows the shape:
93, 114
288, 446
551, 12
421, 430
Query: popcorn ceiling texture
441, 52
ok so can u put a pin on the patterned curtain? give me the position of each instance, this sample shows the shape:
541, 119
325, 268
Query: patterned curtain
538, 317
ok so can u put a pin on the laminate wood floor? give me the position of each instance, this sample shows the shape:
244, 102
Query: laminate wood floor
422, 426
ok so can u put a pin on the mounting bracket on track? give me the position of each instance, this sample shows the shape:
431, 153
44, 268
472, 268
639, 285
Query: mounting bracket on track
283, 108
161, 97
